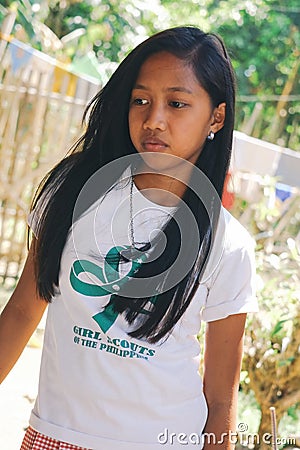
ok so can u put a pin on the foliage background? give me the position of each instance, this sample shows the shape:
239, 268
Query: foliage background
262, 36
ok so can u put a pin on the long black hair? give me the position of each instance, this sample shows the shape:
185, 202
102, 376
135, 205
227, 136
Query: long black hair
106, 139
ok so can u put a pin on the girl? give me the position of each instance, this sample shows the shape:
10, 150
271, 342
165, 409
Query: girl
131, 250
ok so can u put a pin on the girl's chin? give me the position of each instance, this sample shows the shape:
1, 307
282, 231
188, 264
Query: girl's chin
162, 162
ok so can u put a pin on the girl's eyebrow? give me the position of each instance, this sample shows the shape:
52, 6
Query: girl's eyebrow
169, 89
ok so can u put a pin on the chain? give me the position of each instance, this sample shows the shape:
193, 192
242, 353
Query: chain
132, 241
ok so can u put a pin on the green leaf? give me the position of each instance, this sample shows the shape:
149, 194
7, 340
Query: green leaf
278, 327
286, 362
292, 411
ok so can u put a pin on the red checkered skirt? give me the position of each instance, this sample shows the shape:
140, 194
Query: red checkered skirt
33, 440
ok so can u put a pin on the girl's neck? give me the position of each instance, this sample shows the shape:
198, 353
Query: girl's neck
164, 190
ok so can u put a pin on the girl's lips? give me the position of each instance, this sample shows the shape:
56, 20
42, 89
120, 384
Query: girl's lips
154, 144
151, 147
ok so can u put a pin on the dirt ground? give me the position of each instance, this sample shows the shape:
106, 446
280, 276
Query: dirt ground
17, 394
19, 389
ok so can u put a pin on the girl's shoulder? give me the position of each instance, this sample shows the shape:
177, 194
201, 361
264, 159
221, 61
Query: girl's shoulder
232, 245
235, 234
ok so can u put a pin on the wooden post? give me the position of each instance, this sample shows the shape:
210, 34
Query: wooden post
5, 31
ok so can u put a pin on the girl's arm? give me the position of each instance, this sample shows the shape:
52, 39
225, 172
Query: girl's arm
222, 364
19, 318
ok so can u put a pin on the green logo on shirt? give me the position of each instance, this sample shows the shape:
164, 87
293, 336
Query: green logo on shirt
110, 279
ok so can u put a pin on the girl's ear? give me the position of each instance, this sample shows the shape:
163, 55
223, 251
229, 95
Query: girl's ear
218, 117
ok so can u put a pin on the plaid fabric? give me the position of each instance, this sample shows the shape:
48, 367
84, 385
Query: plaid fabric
33, 440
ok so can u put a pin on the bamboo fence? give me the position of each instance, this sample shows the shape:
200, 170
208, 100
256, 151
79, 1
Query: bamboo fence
41, 106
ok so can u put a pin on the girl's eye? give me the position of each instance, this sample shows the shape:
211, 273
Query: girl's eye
177, 104
139, 101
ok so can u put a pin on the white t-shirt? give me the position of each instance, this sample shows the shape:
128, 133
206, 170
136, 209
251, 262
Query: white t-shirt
102, 389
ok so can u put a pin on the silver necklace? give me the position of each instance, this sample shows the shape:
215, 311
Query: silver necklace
131, 223
135, 245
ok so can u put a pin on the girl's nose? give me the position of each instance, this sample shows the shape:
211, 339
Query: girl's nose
155, 119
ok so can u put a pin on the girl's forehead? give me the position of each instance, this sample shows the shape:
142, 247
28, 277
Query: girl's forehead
164, 59
166, 69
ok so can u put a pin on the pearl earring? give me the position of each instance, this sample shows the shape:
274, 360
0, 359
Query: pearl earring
211, 136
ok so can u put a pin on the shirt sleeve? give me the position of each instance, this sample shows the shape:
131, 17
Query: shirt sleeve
231, 288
